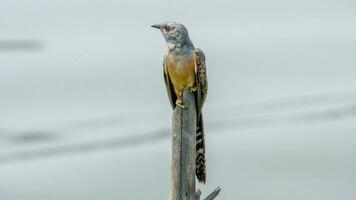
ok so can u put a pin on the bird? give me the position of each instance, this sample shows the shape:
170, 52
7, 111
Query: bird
184, 67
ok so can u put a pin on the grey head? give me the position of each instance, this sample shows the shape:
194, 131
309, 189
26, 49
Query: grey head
175, 34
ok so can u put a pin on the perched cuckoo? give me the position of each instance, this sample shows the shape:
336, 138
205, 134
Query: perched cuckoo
184, 66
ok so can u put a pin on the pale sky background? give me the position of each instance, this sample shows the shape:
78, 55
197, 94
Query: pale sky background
84, 113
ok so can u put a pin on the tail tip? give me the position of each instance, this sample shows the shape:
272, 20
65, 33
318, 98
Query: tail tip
201, 175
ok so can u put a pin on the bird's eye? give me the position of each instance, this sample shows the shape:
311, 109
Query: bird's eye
167, 28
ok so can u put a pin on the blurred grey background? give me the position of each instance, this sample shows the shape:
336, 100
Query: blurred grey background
84, 113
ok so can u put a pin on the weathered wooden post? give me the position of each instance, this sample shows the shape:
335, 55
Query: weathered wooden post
183, 149
184, 152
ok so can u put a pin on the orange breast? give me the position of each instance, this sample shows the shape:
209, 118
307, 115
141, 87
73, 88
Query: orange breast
181, 72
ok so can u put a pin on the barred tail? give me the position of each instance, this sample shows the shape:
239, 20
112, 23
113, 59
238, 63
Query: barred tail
200, 148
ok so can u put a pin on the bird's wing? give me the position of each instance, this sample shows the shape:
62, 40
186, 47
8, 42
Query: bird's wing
201, 78
170, 91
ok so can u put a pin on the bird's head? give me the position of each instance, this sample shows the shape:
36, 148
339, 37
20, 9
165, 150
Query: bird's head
174, 33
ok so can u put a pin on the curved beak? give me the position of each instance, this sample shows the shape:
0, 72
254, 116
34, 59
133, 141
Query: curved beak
158, 26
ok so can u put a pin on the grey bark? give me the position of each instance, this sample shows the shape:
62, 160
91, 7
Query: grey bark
183, 149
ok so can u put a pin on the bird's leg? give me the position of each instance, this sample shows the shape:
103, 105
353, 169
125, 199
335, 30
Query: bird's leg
179, 101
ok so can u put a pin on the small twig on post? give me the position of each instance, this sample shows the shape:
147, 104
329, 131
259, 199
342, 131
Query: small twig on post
213, 194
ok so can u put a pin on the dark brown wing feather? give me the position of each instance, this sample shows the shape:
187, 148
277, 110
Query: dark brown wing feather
170, 91
201, 93
201, 79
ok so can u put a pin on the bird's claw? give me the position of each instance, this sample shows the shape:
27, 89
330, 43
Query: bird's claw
179, 103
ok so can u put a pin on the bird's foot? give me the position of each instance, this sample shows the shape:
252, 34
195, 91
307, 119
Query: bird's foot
193, 89
179, 103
